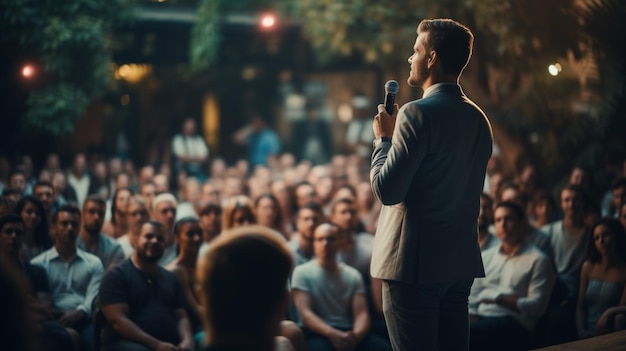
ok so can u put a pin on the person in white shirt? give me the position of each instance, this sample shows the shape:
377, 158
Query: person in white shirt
506, 305
74, 275
164, 211
190, 151
78, 178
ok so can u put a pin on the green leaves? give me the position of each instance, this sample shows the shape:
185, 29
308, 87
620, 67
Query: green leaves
70, 39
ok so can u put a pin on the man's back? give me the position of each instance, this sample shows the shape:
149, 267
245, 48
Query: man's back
431, 181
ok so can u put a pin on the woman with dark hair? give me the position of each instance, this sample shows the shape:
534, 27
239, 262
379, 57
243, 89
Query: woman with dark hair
36, 228
543, 209
269, 214
117, 225
238, 211
602, 280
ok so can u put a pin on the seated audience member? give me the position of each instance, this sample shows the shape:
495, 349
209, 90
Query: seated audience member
307, 218
44, 191
136, 212
117, 226
92, 240
238, 318
542, 209
269, 214
507, 304
142, 303
355, 247
17, 180
210, 221
14, 194
6, 206
164, 211
569, 239
486, 239
331, 299
603, 278
51, 336
16, 317
36, 228
191, 205
511, 192
238, 211
188, 236
74, 275
147, 192
617, 196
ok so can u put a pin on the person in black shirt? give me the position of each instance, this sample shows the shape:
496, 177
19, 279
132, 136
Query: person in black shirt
142, 303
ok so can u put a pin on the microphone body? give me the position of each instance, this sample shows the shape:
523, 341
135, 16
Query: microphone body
391, 89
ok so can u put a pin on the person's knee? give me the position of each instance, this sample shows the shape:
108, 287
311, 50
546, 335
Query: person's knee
293, 333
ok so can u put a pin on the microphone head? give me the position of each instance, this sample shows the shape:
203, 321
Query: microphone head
392, 87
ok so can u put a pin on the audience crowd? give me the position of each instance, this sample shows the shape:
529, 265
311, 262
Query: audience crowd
111, 256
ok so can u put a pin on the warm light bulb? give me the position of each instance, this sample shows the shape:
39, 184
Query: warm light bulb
268, 21
28, 71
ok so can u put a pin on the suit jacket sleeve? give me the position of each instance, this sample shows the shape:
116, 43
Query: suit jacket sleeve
394, 165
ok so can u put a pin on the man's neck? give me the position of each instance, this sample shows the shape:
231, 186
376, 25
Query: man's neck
329, 264
510, 248
66, 252
573, 223
148, 267
90, 239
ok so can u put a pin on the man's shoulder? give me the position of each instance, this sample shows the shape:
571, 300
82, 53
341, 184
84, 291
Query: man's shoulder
89, 258
348, 271
109, 242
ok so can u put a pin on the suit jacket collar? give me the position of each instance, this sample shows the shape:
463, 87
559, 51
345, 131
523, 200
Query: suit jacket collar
449, 88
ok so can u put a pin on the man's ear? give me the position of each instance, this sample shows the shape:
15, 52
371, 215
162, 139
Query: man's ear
432, 58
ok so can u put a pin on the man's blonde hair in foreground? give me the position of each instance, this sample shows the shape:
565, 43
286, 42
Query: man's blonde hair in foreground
243, 277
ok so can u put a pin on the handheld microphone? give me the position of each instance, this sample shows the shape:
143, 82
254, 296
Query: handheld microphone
391, 89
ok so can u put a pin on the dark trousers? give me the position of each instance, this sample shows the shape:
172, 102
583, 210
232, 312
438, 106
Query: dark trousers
427, 316
498, 333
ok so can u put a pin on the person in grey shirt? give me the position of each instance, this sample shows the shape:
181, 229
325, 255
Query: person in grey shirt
330, 299
92, 240
301, 244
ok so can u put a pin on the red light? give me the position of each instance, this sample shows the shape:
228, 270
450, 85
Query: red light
28, 71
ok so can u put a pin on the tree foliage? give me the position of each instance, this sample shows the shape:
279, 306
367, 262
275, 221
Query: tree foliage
70, 39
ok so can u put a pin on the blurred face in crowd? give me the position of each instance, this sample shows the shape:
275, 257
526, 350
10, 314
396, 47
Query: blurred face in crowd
305, 193
189, 237
80, 164
266, 211
189, 127
93, 217
579, 177
18, 180
306, 221
603, 240
66, 228
326, 242
45, 194
512, 195
147, 192
343, 215
122, 180
150, 243
232, 186
507, 224
30, 216
571, 203
211, 223
146, 174
52, 162
210, 194
135, 212
100, 170
115, 166
11, 235
165, 213
485, 213
162, 183
59, 182
121, 201
241, 217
